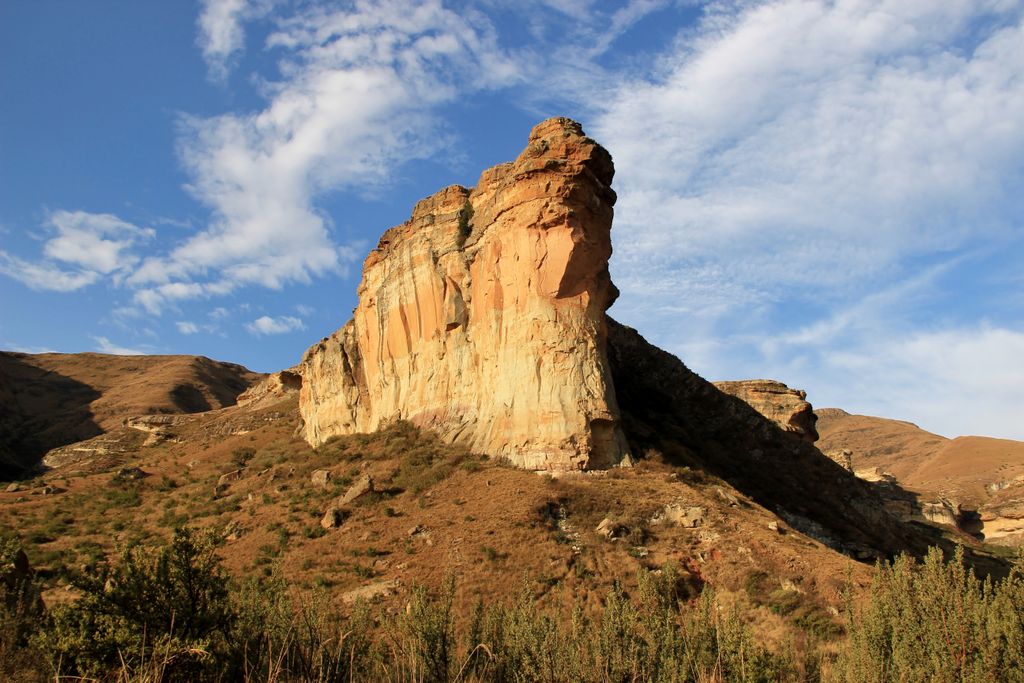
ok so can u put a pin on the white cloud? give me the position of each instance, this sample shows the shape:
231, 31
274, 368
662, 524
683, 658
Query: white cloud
104, 345
808, 144
186, 327
810, 190
355, 101
266, 325
96, 245
305, 310
11, 346
221, 36
97, 242
219, 313
954, 382
44, 276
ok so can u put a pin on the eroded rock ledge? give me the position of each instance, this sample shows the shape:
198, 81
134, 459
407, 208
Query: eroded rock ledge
788, 408
482, 317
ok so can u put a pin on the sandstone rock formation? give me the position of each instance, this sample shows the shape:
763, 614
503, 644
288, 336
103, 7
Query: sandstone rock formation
788, 408
975, 483
482, 317
275, 387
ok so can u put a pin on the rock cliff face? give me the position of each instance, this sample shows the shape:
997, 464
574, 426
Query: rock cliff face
788, 408
483, 319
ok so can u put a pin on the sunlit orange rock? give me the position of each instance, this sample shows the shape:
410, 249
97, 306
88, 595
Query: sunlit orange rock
483, 317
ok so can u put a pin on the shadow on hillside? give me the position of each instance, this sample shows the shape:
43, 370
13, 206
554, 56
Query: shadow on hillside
669, 409
189, 399
39, 410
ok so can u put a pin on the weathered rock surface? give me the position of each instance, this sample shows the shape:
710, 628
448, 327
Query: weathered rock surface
678, 514
841, 456
333, 517
975, 483
371, 592
611, 529
360, 488
482, 317
275, 387
788, 408
321, 478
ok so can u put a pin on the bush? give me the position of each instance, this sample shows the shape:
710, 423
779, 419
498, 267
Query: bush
936, 622
465, 222
20, 610
167, 610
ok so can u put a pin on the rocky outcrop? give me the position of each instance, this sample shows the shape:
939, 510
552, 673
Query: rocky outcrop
788, 408
841, 456
272, 389
482, 317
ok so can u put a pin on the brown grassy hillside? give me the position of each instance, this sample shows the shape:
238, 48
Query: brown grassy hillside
978, 473
52, 399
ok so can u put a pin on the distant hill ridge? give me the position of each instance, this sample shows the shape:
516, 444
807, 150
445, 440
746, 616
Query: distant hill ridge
53, 399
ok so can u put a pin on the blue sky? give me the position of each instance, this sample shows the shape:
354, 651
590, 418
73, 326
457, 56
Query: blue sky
825, 193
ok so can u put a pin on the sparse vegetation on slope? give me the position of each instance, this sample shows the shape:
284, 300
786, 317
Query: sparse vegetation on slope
172, 614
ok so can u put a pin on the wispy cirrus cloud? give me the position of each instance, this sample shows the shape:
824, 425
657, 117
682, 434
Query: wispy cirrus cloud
221, 35
266, 324
792, 171
345, 72
805, 143
952, 381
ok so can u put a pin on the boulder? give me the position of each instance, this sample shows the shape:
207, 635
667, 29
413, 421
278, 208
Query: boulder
130, 474
225, 480
359, 489
611, 529
333, 517
321, 478
370, 592
689, 516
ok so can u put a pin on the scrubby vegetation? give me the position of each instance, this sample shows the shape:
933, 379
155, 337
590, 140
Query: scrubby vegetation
936, 622
173, 614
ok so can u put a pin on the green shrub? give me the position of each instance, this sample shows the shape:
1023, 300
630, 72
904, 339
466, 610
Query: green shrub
169, 607
20, 610
936, 622
465, 222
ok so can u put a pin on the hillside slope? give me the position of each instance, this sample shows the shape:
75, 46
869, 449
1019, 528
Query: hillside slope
974, 473
670, 410
53, 399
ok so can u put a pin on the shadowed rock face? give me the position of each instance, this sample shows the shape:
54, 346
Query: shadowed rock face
482, 318
788, 408
668, 408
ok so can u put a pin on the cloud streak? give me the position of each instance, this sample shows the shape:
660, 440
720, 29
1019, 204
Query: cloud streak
221, 34
265, 325
354, 102
795, 178
93, 245
104, 345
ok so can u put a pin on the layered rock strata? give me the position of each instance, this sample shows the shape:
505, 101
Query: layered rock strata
788, 408
482, 317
